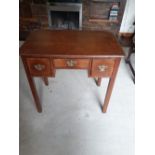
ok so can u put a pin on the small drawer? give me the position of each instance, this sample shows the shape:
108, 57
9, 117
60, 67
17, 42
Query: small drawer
72, 63
39, 66
102, 67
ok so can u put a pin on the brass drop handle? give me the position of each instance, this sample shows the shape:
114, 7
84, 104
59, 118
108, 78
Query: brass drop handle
39, 67
71, 63
102, 68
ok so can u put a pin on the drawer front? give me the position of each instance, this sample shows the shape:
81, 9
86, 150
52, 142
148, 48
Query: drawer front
102, 67
39, 66
72, 63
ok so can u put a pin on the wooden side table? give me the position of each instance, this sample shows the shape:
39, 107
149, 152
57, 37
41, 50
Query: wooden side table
45, 51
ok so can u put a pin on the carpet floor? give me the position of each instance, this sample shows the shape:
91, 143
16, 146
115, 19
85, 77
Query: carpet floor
72, 122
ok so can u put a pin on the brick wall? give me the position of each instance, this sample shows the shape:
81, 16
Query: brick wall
91, 25
39, 11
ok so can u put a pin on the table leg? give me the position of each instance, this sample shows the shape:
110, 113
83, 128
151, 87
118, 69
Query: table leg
33, 88
110, 85
99, 81
45, 79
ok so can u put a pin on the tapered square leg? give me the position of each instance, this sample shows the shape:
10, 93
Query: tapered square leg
110, 86
32, 87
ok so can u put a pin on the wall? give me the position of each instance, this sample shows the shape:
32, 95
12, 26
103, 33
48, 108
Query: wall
128, 18
40, 12
89, 25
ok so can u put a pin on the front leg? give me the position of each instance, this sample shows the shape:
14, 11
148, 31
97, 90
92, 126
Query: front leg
110, 86
32, 87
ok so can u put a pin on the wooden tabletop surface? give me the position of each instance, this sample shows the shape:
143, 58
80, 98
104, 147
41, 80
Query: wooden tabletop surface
71, 43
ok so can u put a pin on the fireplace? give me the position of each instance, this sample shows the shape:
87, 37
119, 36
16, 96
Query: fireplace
65, 15
64, 20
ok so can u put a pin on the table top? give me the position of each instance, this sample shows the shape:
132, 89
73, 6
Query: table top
71, 43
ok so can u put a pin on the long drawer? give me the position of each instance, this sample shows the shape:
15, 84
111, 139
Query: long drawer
71, 63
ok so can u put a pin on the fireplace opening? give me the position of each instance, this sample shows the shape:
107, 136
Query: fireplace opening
64, 20
65, 15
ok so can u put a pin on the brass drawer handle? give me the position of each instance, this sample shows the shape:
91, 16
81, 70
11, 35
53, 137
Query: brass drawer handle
102, 68
39, 67
71, 63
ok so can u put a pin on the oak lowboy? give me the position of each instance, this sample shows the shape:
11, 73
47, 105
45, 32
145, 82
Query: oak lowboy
46, 51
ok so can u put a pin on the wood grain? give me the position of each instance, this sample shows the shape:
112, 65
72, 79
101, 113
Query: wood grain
45, 62
78, 63
110, 85
73, 43
32, 86
108, 63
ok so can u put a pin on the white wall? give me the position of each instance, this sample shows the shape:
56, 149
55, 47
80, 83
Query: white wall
129, 17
